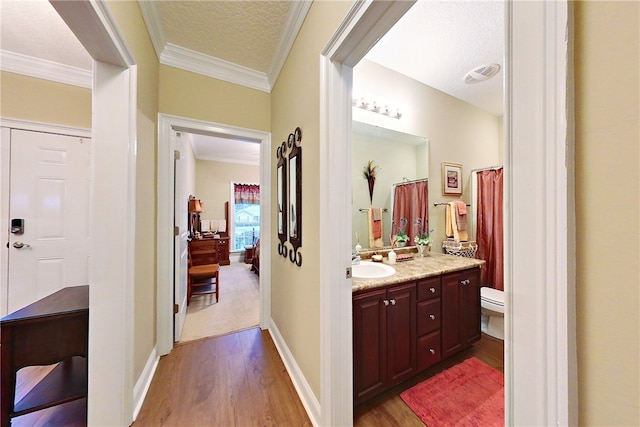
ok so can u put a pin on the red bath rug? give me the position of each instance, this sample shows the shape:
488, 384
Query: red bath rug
468, 394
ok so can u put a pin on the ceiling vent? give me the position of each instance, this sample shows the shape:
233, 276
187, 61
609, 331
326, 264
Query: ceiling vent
481, 73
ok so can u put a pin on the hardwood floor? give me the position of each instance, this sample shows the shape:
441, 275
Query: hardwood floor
231, 380
240, 380
388, 409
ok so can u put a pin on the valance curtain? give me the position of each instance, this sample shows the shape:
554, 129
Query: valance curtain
489, 235
411, 201
247, 194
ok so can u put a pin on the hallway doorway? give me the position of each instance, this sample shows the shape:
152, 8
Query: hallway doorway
168, 125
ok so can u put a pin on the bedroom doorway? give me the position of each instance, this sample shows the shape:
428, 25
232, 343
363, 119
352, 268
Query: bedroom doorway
168, 126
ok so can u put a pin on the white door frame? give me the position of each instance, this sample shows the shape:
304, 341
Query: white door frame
541, 387
166, 124
113, 207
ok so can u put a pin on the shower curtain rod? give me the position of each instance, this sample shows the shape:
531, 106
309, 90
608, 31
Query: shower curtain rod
486, 169
410, 182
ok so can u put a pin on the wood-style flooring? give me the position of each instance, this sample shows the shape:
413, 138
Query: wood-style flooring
240, 380
231, 380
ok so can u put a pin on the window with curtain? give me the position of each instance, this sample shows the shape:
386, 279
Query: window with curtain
246, 215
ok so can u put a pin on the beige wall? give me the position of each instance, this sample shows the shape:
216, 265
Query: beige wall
213, 184
195, 96
130, 22
607, 211
295, 293
29, 98
457, 132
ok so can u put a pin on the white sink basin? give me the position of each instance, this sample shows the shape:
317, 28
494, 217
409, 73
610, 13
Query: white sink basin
371, 270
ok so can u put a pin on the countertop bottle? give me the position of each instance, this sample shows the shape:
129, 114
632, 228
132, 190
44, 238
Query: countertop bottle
392, 256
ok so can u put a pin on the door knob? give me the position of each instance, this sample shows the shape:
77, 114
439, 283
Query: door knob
20, 245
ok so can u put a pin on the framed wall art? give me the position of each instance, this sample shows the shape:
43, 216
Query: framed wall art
451, 179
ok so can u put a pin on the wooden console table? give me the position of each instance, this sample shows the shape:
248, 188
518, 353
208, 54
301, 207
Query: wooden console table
51, 330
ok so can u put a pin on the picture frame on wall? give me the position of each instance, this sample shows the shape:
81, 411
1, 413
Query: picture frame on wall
451, 179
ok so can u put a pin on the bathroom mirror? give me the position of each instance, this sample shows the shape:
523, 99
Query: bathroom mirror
400, 157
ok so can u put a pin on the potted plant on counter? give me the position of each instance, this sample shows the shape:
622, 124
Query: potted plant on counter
401, 239
422, 238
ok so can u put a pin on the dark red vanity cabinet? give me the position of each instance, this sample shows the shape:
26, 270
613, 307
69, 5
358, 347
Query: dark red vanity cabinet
429, 318
460, 310
384, 334
401, 330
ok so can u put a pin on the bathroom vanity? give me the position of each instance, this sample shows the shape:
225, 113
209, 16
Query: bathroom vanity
426, 312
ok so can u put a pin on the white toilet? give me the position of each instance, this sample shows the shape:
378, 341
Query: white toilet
492, 309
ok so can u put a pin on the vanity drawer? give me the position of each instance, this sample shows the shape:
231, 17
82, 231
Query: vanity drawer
429, 351
428, 316
429, 288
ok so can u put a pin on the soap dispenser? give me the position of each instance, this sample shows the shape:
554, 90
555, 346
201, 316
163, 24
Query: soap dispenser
358, 246
392, 256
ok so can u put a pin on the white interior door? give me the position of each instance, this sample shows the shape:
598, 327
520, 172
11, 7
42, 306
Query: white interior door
180, 237
49, 192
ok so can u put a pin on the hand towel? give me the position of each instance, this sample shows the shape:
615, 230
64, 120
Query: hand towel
451, 217
447, 222
462, 207
461, 215
375, 229
377, 222
452, 221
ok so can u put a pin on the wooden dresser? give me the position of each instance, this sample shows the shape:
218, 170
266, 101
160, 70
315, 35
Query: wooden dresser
53, 329
210, 251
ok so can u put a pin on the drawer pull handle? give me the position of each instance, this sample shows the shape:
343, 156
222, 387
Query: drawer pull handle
465, 282
432, 316
432, 351
433, 290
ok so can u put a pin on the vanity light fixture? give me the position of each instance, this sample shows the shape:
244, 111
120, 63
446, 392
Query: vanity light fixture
376, 106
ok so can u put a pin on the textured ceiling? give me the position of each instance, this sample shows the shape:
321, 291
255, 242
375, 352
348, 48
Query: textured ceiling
242, 32
438, 42
34, 29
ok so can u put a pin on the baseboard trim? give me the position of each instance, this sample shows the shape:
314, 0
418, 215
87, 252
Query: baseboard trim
144, 381
309, 401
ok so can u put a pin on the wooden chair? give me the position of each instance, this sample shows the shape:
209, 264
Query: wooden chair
202, 279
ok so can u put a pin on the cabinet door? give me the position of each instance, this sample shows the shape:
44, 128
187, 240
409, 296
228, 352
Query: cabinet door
223, 252
451, 315
470, 303
369, 344
401, 333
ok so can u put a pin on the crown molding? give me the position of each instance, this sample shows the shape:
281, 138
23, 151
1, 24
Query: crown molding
206, 65
196, 62
229, 160
43, 69
297, 14
153, 22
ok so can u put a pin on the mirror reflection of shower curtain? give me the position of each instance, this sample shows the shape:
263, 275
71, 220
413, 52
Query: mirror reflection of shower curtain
488, 225
411, 201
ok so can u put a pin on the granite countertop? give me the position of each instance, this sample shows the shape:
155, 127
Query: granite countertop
418, 268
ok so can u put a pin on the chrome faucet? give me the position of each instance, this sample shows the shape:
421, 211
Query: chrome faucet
355, 257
